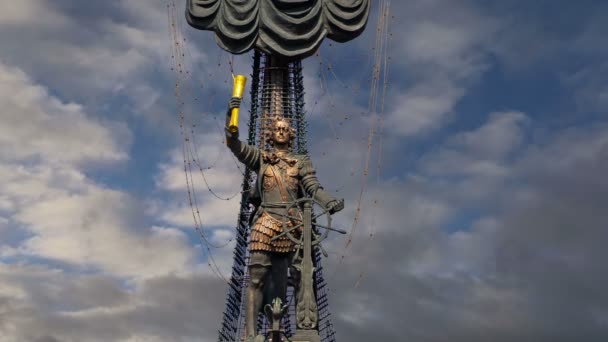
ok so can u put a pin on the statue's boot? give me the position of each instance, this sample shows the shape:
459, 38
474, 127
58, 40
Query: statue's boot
254, 299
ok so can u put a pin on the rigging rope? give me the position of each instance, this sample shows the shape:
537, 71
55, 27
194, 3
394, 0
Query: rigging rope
188, 152
379, 73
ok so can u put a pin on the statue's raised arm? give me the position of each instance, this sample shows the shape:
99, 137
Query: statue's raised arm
246, 154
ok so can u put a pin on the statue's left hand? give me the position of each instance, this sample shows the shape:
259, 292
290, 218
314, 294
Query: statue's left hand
336, 206
235, 102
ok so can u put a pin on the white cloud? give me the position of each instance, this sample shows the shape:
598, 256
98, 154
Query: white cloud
22, 13
589, 87
423, 108
221, 176
37, 125
213, 212
94, 230
442, 49
68, 218
444, 45
482, 152
101, 54
499, 136
89, 226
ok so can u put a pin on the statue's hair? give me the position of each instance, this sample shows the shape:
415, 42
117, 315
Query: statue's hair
270, 127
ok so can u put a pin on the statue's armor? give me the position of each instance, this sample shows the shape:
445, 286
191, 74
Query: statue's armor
281, 179
264, 229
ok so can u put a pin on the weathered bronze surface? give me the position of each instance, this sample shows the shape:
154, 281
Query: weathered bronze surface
265, 228
275, 313
284, 178
306, 309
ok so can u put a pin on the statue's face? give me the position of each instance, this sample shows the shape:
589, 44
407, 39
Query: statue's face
281, 132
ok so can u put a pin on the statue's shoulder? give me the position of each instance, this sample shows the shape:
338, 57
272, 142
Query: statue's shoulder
301, 158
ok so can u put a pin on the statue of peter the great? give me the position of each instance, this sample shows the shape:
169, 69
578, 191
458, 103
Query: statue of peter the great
283, 177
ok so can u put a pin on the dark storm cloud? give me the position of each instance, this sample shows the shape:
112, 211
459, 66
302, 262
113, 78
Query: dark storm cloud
53, 305
533, 272
553, 235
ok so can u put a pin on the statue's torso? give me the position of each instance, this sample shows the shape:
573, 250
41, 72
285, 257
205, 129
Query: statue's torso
280, 183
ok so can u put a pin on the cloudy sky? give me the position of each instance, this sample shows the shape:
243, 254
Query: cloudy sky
481, 217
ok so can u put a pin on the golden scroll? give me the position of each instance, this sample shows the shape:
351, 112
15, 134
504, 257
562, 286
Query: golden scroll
239, 87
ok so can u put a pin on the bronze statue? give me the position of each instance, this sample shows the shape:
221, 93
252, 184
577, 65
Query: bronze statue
284, 221
282, 178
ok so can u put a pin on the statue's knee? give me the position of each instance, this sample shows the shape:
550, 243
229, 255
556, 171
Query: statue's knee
257, 282
256, 276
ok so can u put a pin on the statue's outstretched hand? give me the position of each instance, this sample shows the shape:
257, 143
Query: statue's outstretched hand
336, 206
235, 102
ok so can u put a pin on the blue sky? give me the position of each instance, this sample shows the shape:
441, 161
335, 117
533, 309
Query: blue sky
487, 220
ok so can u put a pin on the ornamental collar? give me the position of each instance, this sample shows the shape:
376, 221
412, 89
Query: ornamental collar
274, 157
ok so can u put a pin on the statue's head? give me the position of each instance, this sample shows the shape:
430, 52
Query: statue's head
280, 133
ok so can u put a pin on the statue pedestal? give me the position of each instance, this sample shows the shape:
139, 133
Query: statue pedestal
306, 336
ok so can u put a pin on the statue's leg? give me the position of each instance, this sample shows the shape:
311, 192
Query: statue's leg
280, 264
259, 263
